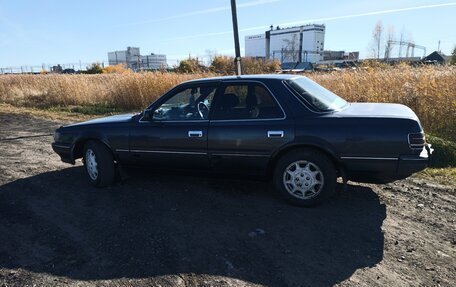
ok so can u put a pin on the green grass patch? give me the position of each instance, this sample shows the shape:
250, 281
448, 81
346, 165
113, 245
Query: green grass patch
88, 110
445, 176
444, 152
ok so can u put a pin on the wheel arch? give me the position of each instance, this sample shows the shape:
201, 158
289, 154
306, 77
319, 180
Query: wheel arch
78, 147
320, 148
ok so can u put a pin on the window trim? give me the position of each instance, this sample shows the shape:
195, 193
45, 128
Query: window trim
303, 102
173, 92
239, 83
311, 108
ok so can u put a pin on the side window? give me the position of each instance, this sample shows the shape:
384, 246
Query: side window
248, 101
189, 104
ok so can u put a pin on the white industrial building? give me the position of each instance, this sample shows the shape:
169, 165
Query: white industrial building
133, 59
296, 44
255, 46
153, 62
130, 57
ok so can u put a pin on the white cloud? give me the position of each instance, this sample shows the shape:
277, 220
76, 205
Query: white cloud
390, 11
204, 11
323, 19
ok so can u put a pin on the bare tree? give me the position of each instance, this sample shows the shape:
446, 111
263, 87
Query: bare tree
390, 37
210, 56
291, 50
377, 38
453, 57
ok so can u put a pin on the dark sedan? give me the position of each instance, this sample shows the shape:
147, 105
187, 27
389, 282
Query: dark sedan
283, 127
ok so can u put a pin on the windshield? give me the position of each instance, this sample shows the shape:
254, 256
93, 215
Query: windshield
316, 95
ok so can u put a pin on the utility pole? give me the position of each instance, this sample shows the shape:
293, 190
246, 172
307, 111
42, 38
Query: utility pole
237, 60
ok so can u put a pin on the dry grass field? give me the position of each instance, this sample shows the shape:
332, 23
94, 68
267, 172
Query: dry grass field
124, 91
429, 90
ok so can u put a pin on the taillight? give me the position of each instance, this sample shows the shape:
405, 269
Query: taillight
417, 141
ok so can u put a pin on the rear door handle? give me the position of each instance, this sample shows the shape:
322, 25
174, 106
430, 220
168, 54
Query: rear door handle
275, 134
195, 134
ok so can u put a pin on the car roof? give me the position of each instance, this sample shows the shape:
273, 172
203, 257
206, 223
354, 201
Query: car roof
245, 77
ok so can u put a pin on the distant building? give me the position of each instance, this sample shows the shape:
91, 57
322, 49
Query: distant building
402, 59
57, 69
297, 67
153, 62
288, 45
436, 57
340, 55
132, 59
129, 57
255, 46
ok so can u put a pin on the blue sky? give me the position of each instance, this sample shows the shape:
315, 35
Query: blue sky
55, 31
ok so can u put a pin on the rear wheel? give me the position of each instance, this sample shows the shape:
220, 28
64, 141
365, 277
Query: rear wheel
99, 164
305, 177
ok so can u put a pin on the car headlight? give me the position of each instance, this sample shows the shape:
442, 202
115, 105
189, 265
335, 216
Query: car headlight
56, 136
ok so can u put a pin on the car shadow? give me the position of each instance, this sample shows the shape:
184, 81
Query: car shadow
164, 224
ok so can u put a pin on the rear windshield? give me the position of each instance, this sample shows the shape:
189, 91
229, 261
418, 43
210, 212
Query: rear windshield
316, 95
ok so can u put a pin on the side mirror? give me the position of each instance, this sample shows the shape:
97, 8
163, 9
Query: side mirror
147, 115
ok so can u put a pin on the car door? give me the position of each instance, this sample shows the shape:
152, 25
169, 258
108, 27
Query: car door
176, 133
247, 125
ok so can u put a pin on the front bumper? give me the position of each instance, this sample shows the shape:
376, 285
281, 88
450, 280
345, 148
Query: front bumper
65, 151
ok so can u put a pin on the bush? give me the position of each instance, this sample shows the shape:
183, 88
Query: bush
259, 66
190, 66
453, 57
116, 69
95, 68
444, 152
225, 65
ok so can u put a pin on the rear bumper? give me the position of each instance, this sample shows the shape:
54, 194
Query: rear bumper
65, 152
408, 165
384, 170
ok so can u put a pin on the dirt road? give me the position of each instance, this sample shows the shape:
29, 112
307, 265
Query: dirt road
176, 230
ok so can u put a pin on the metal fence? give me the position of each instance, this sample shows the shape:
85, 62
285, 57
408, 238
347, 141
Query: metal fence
293, 56
61, 68
36, 69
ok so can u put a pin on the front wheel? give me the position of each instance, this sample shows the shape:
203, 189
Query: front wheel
305, 177
99, 164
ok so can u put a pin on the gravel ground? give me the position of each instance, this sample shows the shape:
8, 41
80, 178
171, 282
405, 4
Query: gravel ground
156, 229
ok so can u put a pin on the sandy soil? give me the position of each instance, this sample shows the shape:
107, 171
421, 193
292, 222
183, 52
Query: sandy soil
174, 230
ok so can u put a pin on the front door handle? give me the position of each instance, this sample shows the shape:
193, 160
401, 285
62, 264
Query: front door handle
195, 134
275, 134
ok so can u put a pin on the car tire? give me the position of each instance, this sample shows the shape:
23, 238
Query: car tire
305, 177
99, 164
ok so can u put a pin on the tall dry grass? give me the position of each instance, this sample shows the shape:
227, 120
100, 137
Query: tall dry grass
125, 91
430, 90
